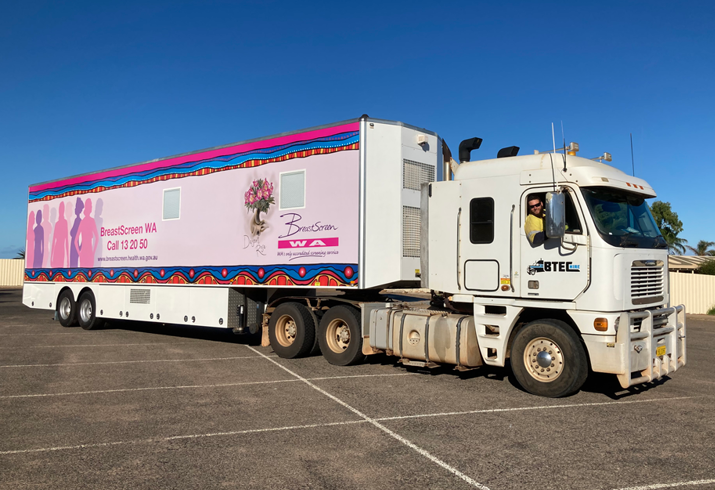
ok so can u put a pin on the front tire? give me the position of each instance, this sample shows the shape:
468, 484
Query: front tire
66, 309
548, 359
87, 311
291, 330
341, 336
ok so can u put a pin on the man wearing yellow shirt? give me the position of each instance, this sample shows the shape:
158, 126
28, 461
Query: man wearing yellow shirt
534, 225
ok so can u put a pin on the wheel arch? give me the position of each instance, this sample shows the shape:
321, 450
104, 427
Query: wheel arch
529, 315
84, 290
62, 290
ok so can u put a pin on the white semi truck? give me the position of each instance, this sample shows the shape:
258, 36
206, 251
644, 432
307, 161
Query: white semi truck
298, 235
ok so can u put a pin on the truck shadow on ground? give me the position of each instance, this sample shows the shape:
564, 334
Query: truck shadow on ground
598, 383
183, 331
607, 384
9, 296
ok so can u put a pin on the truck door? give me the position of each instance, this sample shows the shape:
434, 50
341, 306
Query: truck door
484, 244
554, 268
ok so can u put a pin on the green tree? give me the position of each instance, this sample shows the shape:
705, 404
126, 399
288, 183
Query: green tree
669, 226
702, 248
707, 268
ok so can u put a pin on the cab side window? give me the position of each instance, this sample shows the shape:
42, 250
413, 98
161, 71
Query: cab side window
573, 224
481, 220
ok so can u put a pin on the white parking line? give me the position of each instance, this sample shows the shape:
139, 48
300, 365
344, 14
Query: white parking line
126, 362
83, 332
186, 387
670, 485
174, 438
374, 422
347, 422
93, 345
540, 407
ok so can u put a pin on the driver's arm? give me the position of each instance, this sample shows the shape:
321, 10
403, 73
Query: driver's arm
534, 228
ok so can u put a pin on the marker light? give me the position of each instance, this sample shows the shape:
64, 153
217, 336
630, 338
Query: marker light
600, 324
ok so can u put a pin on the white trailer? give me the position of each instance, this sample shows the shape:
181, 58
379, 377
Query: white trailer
297, 234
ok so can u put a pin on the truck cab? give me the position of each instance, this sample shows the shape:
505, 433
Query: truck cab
594, 289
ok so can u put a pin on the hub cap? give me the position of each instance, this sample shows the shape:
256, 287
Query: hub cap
85, 311
338, 335
65, 308
544, 359
286, 330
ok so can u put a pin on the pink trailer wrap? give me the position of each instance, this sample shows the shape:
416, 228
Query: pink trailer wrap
277, 212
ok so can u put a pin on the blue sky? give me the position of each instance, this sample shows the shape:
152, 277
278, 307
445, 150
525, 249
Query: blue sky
92, 85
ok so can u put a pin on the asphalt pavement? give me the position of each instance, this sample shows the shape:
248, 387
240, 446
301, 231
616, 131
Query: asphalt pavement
137, 405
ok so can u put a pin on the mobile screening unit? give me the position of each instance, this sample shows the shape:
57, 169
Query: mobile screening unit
297, 234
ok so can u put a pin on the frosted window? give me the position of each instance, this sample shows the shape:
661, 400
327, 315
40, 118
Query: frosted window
292, 192
172, 204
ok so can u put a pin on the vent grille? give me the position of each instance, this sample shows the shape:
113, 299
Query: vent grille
410, 231
140, 296
646, 284
414, 174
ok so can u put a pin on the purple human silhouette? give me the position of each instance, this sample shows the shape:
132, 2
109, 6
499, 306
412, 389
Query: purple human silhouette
74, 251
39, 242
60, 241
30, 248
47, 227
87, 237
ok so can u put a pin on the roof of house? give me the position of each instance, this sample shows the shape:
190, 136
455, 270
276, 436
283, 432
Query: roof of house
686, 262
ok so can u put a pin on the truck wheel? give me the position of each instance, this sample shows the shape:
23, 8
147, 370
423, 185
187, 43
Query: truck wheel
291, 330
87, 311
66, 309
548, 359
340, 336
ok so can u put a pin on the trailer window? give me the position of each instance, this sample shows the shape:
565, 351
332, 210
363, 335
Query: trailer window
292, 190
172, 204
481, 220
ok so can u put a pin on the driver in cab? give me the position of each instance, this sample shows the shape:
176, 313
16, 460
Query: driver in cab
534, 224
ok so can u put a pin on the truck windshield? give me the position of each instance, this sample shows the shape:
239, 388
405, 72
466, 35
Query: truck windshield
623, 218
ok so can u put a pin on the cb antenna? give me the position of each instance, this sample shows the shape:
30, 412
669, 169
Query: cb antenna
633, 162
564, 138
553, 139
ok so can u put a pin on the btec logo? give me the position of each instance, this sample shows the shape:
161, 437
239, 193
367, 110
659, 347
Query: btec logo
553, 266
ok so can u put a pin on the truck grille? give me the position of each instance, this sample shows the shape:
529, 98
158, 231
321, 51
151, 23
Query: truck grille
647, 281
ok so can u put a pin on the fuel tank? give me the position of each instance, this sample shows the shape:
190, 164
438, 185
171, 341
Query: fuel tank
426, 335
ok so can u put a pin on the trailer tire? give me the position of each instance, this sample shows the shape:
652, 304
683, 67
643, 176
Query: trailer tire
87, 311
340, 336
291, 330
548, 359
66, 309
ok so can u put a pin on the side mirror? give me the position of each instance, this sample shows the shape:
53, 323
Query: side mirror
555, 217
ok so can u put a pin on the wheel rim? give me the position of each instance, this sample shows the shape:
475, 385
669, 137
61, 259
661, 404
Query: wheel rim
338, 335
64, 308
544, 359
85, 311
286, 330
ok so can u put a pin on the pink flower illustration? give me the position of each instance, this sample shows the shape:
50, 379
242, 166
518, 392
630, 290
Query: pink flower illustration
259, 196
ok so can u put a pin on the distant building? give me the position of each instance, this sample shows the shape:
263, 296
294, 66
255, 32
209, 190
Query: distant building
686, 263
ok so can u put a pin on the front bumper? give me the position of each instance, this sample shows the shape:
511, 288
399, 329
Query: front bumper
645, 346
653, 344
